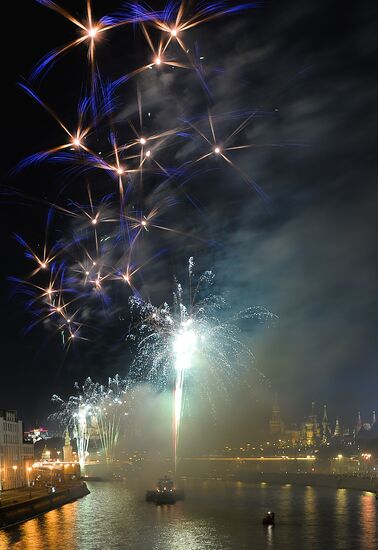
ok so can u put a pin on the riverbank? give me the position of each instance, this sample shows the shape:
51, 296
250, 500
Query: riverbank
316, 480
21, 505
216, 514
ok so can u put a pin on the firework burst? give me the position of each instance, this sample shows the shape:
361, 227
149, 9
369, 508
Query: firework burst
197, 337
137, 168
94, 411
110, 410
76, 415
141, 184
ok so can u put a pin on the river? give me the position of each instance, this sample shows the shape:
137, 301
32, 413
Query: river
216, 515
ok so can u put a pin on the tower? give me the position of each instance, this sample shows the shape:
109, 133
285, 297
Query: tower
67, 449
359, 422
314, 418
276, 426
337, 432
325, 425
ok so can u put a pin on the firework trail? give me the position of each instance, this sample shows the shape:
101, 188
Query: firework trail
109, 413
197, 334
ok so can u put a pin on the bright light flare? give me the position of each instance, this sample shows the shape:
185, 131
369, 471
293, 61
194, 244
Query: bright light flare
92, 32
184, 346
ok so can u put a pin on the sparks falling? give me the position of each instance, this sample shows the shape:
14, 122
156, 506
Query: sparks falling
196, 339
111, 409
75, 414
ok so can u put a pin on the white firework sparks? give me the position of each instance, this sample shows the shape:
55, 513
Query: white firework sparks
180, 342
95, 410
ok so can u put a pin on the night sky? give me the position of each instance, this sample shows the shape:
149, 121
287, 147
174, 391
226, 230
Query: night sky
308, 254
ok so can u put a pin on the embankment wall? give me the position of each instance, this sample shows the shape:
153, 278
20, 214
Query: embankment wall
27, 509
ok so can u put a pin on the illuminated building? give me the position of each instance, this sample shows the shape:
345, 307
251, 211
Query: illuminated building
337, 432
366, 430
311, 430
46, 454
55, 470
67, 449
16, 455
314, 431
293, 435
326, 427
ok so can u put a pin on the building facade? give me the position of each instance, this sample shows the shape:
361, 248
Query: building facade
67, 449
16, 455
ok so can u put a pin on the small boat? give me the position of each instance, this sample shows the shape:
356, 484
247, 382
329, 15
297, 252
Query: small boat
268, 519
165, 492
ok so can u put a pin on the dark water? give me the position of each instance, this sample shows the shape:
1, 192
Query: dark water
216, 515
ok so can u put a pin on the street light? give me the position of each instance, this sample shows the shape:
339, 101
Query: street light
28, 470
15, 470
51, 474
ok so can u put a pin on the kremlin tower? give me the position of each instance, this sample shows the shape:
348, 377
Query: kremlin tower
359, 423
337, 432
67, 449
326, 427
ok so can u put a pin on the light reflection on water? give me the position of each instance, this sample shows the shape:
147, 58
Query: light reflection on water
368, 518
216, 515
341, 516
310, 510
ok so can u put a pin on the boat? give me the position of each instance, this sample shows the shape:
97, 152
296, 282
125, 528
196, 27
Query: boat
268, 519
165, 492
